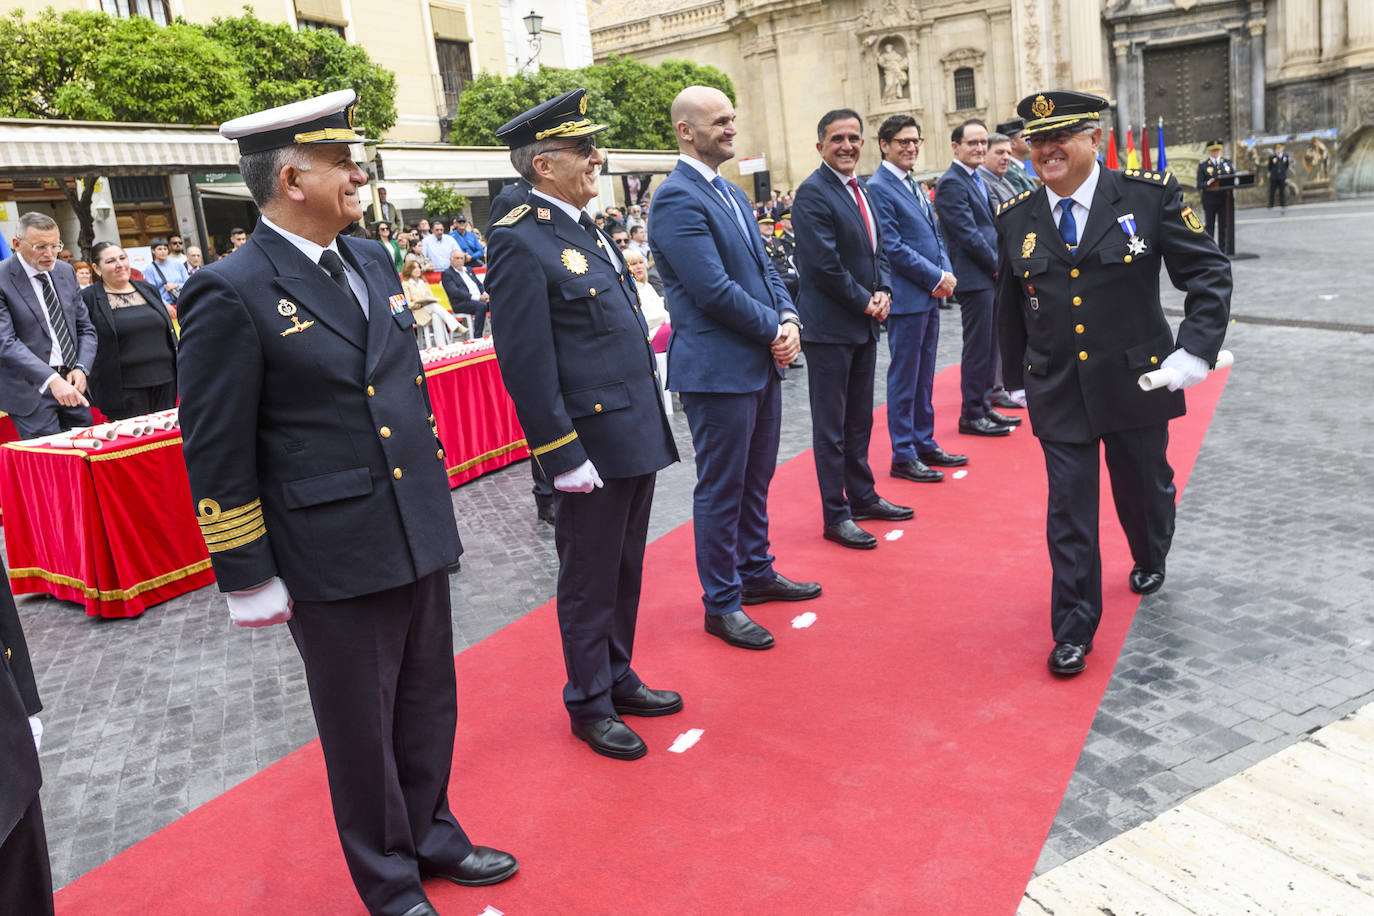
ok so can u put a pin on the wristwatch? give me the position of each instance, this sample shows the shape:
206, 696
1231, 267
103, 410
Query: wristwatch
793, 319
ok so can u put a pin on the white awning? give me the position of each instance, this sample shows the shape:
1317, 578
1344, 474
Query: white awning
50, 148
478, 164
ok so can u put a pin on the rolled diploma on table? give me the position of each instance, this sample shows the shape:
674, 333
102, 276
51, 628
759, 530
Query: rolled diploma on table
104, 431
1160, 378
134, 427
75, 442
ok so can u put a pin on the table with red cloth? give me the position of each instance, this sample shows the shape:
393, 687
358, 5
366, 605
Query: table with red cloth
114, 529
110, 528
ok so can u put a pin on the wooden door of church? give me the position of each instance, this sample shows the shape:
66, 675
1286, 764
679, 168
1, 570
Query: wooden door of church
1189, 86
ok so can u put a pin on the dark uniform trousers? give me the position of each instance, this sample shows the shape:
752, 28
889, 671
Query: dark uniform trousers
1077, 331
574, 355
312, 455
840, 385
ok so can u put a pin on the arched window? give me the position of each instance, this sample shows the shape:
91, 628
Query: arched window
964, 96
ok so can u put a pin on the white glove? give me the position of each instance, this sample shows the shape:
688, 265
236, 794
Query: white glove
1019, 396
260, 606
581, 479
36, 726
1188, 369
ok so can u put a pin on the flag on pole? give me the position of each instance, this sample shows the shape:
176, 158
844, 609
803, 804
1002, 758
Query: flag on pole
1111, 149
1145, 149
1163, 164
1132, 159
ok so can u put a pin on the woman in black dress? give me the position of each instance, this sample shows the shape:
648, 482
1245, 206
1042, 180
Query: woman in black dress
135, 369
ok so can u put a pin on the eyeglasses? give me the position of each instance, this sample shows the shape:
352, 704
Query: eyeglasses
584, 148
907, 141
54, 248
1054, 138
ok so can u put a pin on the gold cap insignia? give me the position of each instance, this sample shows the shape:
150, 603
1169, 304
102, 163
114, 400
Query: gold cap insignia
1042, 107
286, 308
582, 105
1028, 245
350, 112
574, 260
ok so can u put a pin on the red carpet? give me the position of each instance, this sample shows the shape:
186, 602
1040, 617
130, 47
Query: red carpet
905, 754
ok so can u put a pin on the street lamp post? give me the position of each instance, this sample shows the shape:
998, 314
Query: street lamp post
534, 24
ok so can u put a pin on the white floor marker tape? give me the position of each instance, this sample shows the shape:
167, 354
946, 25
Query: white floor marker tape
492, 911
685, 740
893, 534
802, 621
960, 474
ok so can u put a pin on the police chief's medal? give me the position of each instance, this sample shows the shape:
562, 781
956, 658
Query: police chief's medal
1134, 243
1028, 245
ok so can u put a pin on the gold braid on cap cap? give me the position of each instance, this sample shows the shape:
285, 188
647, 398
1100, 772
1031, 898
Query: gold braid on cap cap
328, 133
1044, 124
562, 129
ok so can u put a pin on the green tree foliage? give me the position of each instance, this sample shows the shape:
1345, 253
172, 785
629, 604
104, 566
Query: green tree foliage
442, 200
93, 67
281, 65
630, 96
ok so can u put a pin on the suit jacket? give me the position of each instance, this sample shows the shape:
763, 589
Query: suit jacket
312, 453
1079, 344
967, 222
107, 384
722, 291
838, 268
18, 701
25, 341
1000, 190
459, 298
573, 347
915, 249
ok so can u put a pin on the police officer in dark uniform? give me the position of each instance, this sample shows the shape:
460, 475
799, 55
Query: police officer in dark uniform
1213, 200
574, 353
1079, 320
1279, 163
318, 479
25, 873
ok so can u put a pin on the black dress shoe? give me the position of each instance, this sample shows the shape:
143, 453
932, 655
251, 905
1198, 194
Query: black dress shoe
780, 589
1069, 658
850, 535
481, 867
545, 513
982, 427
882, 511
611, 737
737, 629
423, 908
1000, 400
1146, 581
1002, 419
646, 702
943, 459
917, 471
455, 566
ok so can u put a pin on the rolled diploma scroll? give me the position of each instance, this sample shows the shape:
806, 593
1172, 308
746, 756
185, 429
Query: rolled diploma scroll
104, 431
1160, 378
75, 442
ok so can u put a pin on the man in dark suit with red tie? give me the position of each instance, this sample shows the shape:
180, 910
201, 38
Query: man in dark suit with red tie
846, 290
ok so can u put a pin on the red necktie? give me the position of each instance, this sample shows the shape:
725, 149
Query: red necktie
863, 210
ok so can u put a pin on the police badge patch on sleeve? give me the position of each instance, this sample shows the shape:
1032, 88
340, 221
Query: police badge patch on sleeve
1190, 219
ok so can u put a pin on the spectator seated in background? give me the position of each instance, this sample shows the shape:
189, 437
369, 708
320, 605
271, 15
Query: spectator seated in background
195, 259
394, 248
415, 251
469, 241
466, 294
134, 370
423, 303
438, 246
650, 302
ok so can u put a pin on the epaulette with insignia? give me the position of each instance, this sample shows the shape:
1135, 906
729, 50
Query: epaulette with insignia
513, 217
1155, 178
1024, 195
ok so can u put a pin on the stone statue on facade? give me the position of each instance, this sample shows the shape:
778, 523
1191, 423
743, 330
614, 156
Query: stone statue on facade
893, 68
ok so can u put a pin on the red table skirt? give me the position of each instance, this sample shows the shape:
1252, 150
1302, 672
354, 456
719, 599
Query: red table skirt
114, 528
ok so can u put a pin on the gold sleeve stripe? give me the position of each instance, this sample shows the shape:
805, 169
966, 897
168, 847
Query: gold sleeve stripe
237, 524
225, 515
226, 536
252, 535
557, 443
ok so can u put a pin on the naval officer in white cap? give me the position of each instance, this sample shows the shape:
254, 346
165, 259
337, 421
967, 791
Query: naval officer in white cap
318, 479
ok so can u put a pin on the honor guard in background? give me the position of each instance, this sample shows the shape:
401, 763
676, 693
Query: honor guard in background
1018, 175
1080, 321
1214, 200
1279, 163
319, 483
575, 356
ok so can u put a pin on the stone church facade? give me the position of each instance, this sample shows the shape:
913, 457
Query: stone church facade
1249, 71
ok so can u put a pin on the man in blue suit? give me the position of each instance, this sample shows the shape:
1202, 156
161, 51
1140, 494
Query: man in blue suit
846, 289
734, 331
966, 219
921, 277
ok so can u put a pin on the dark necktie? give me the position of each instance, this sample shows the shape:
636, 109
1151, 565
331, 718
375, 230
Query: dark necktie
1068, 229
920, 195
59, 321
863, 211
588, 224
331, 262
982, 186
720, 185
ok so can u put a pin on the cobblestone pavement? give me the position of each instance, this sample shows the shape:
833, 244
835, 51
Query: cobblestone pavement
1261, 634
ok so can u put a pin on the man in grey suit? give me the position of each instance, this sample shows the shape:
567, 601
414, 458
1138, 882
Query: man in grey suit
46, 336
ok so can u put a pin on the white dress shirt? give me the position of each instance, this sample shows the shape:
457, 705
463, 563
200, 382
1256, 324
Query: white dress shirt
55, 353
313, 251
868, 204
1082, 201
